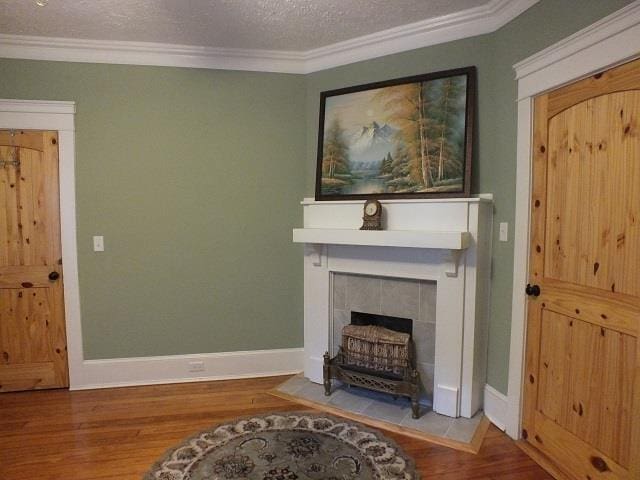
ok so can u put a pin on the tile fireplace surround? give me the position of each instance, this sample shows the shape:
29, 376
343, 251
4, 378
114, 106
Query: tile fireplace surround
404, 298
446, 241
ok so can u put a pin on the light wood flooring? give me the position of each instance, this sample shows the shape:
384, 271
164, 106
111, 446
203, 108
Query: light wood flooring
119, 433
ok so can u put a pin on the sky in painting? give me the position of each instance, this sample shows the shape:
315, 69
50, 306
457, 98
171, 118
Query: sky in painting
354, 110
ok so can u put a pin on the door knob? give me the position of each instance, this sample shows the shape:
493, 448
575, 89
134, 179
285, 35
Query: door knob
53, 276
532, 290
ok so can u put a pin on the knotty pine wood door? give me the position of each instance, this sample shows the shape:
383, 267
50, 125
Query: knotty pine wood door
33, 352
582, 373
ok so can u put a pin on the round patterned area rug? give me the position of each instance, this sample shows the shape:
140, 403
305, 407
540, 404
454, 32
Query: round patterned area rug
291, 446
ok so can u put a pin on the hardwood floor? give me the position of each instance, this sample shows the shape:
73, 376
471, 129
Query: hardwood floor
119, 433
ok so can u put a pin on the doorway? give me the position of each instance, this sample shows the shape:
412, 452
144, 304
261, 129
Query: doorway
611, 41
33, 348
58, 116
582, 372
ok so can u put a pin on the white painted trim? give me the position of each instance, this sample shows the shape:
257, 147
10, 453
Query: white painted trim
612, 40
467, 23
149, 53
520, 266
480, 20
35, 115
58, 116
384, 238
478, 198
124, 372
606, 43
495, 406
604, 28
37, 106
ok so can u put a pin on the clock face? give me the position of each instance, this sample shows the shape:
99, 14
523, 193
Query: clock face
371, 208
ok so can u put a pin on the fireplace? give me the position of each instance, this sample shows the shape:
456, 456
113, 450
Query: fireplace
441, 246
407, 304
377, 353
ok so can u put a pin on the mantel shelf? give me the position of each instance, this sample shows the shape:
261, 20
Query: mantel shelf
384, 238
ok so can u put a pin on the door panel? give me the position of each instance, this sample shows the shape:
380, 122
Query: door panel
33, 351
24, 321
574, 456
599, 196
582, 385
582, 373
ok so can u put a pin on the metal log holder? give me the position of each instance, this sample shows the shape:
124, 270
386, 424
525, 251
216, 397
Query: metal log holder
378, 359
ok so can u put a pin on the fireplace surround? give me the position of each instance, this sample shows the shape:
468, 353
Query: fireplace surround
407, 305
446, 241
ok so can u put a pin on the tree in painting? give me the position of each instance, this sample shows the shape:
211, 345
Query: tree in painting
406, 138
386, 167
446, 110
406, 106
427, 116
401, 179
335, 160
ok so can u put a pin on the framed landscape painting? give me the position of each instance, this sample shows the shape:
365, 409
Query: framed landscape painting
404, 138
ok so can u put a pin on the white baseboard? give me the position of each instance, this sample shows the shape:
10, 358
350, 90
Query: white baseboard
495, 406
124, 372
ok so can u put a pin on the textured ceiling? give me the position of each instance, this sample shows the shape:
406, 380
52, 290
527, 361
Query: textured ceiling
250, 24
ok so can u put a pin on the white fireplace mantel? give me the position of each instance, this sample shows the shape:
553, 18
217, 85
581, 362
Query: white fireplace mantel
384, 238
454, 242
442, 240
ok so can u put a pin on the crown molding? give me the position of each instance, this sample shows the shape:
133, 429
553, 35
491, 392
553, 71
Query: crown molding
148, 53
467, 23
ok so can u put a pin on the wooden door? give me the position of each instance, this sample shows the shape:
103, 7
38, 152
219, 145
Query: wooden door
33, 352
582, 373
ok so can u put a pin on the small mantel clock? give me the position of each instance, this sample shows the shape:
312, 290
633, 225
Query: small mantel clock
372, 218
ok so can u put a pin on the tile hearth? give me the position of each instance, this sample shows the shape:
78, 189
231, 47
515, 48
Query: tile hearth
383, 408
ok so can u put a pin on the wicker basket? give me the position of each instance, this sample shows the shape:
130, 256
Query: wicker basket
376, 348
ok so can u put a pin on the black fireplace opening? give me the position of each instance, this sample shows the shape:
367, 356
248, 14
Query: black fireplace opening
397, 324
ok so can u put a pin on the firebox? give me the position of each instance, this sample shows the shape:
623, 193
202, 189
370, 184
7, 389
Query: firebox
376, 352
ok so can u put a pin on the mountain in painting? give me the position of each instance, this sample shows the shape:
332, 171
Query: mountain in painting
371, 142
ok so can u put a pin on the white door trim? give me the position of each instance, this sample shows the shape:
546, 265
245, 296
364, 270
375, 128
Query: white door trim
613, 40
47, 115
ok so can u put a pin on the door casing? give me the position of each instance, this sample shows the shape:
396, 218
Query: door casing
59, 116
605, 44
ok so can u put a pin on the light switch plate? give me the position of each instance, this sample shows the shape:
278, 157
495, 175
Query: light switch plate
98, 243
504, 231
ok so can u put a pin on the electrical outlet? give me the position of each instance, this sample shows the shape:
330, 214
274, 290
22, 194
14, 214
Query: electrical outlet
196, 366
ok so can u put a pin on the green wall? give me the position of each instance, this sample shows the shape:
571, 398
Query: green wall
494, 164
194, 178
